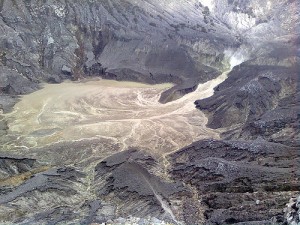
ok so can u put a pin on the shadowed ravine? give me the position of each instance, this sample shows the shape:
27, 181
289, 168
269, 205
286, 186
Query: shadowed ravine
125, 113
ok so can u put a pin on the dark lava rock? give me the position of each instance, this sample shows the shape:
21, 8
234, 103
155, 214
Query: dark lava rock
12, 83
12, 165
42, 197
258, 101
55, 216
66, 70
126, 179
249, 177
239, 181
53, 179
7, 102
184, 87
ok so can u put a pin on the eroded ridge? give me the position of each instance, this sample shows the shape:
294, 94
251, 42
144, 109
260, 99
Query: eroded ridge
125, 113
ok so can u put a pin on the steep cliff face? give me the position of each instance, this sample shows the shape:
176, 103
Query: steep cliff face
51, 40
149, 41
260, 96
254, 100
237, 178
252, 18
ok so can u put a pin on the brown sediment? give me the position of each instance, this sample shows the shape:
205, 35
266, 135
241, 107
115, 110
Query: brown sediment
128, 113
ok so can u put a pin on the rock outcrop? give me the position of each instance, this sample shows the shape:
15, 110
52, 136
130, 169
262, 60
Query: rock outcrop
292, 212
259, 98
126, 179
237, 178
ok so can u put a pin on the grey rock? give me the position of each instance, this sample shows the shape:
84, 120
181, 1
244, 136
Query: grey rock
13, 165
257, 101
231, 175
67, 70
14, 84
292, 211
126, 176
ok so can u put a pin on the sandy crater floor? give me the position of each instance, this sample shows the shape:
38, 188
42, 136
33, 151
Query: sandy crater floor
125, 113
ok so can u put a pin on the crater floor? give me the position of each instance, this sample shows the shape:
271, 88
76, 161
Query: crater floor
124, 113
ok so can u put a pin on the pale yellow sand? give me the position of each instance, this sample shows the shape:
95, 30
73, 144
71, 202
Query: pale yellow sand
127, 113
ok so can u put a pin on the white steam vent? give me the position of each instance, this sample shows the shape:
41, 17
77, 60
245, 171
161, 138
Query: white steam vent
209, 3
236, 57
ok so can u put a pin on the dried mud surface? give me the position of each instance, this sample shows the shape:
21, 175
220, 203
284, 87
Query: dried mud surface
127, 114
